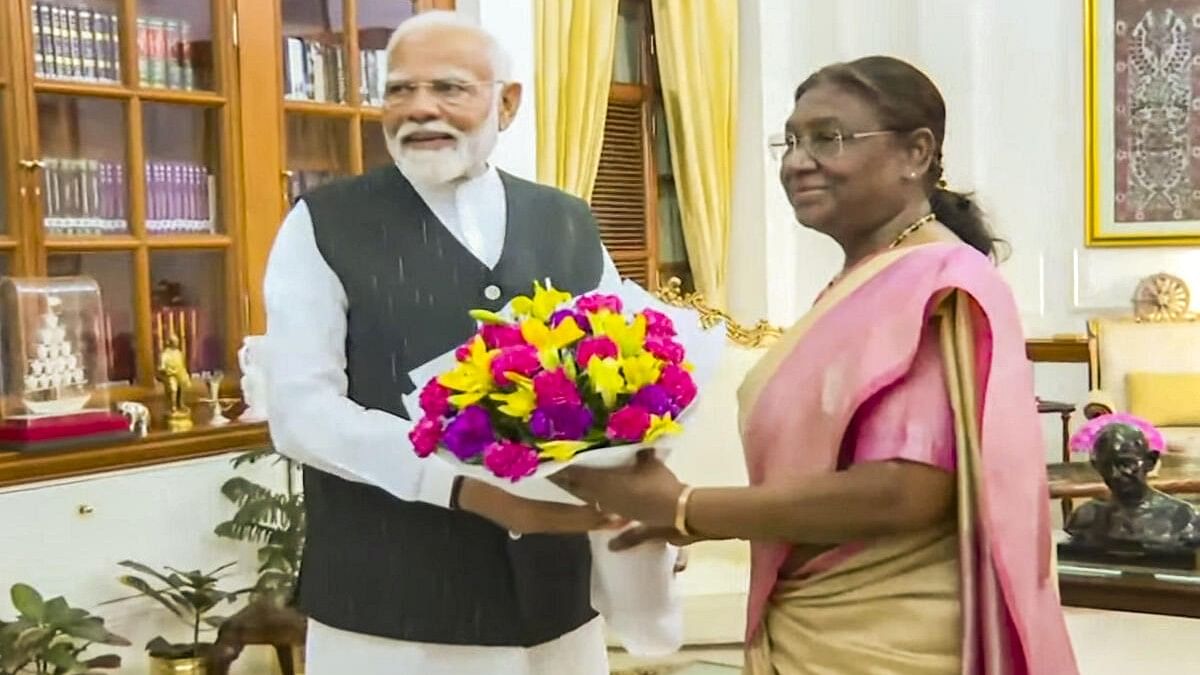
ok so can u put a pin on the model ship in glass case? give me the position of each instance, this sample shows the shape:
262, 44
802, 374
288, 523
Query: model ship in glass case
54, 365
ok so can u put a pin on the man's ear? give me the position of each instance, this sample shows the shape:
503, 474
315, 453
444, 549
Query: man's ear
510, 101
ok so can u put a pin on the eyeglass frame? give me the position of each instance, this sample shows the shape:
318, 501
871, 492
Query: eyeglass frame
430, 84
780, 148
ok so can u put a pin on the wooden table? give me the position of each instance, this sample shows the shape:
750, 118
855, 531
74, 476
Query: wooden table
1176, 594
1176, 474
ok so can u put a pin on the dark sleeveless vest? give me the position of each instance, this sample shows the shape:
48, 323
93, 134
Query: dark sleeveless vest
378, 565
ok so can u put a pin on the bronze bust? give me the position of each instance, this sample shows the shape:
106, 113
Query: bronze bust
1136, 516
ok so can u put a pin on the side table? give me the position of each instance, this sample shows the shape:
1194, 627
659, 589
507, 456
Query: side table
1063, 410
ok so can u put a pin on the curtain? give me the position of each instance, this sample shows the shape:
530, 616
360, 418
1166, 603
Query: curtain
575, 40
697, 42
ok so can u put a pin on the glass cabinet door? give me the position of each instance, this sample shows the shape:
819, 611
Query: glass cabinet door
113, 271
376, 20
182, 166
76, 40
175, 44
314, 50
318, 151
85, 179
188, 301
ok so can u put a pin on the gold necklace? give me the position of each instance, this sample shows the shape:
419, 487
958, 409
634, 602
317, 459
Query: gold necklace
904, 234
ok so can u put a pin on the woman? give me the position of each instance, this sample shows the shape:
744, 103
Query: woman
898, 509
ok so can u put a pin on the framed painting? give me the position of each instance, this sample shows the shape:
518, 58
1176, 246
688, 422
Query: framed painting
1142, 122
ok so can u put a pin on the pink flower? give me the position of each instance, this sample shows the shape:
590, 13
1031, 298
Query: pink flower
425, 436
658, 324
553, 387
510, 460
435, 399
1084, 440
679, 385
665, 349
522, 360
501, 336
594, 302
602, 347
463, 353
628, 424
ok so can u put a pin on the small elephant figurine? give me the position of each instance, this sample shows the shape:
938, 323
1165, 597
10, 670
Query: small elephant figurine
137, 414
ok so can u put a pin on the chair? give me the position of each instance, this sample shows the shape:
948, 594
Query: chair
1162, 337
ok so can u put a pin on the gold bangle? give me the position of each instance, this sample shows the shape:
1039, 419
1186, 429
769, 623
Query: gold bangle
681, 511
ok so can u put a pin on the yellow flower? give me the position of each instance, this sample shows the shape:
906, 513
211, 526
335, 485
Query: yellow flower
472, 378
630, 338
549, 341
487, 316
661, 426
542, 304
519, 404
606, 380
561, 451
640, 371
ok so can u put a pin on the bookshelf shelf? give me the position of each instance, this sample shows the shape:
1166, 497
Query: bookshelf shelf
205, 98
341, 110
78, 88
167, 242
94, 243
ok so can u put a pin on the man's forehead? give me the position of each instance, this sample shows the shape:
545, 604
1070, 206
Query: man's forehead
437, 50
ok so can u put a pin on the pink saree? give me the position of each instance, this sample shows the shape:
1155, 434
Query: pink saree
975, 596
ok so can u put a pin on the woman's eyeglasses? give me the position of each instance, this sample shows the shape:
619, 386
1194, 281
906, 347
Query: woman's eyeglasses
822, 146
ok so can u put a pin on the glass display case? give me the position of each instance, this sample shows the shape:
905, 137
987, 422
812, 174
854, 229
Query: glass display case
54, 357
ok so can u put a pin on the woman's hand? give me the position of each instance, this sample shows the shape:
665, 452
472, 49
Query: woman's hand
646, 492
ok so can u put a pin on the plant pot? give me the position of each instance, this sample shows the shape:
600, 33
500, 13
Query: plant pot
165, 666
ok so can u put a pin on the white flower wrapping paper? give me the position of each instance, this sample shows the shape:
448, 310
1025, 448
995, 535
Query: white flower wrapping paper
635, 591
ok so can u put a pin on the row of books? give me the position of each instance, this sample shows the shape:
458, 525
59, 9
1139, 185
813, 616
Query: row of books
165, 53
313, 71
372, 73
300, 182
84, 197
179, 198
76, 43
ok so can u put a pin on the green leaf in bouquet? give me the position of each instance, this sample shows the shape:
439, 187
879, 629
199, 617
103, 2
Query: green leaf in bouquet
28, 601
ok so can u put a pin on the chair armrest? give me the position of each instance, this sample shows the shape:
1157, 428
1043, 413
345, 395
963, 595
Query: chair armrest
1099, 403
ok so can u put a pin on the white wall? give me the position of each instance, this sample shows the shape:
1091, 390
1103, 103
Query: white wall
1011, 72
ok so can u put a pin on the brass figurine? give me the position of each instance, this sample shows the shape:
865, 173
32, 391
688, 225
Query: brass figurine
173, 373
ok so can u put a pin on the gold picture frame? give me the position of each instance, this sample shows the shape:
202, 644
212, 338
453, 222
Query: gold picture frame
1103, 38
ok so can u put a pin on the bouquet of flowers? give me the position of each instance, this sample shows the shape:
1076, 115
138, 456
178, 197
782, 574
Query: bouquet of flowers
553, 379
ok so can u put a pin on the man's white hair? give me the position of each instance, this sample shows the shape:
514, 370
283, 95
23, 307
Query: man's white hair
501, 61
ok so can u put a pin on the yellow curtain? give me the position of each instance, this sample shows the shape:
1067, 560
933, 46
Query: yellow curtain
575, 41
697, 44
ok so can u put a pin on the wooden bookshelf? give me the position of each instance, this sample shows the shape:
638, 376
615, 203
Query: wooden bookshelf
60, 124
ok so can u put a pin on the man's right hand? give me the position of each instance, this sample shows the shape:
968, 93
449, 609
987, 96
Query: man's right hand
528, 516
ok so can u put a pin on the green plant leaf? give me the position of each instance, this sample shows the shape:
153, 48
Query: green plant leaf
215, 621
33, 638
56, 612
173, 582
138, 584
104, 661
62, 656
92, 629
28, 601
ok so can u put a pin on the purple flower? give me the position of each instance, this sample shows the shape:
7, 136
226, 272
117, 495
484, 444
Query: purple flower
679, 385
510, 460
522, 360
581, 319
602, 347
501, 336
435, 399
425, 436
664, 349
562, 422
595, 302
469, 433
628, 424
655, 400
553, 387
658, 324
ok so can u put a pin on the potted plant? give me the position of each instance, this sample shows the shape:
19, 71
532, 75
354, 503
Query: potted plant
48, 637
276, 522
192, 596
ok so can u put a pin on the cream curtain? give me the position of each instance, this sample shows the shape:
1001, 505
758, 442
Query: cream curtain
575, 40
697, 43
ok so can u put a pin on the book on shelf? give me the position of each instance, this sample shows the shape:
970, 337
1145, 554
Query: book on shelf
75, 43
165, 54
300, 182
83, 197
179, 198
313, 71
372, 75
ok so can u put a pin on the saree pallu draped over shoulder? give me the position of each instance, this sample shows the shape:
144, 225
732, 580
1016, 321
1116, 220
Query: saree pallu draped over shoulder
975, 596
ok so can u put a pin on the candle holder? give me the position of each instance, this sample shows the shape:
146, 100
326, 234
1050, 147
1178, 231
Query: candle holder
217, 405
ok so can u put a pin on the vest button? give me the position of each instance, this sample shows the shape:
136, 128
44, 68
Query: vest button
492, 292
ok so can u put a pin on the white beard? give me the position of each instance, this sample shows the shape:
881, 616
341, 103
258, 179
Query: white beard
469, 153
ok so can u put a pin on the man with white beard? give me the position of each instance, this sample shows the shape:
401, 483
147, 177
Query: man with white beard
408, 568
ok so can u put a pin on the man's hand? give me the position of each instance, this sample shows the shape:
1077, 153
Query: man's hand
527, 516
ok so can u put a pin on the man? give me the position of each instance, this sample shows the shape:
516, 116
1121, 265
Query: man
408, 569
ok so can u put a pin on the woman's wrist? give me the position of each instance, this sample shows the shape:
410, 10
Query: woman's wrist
681, 508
